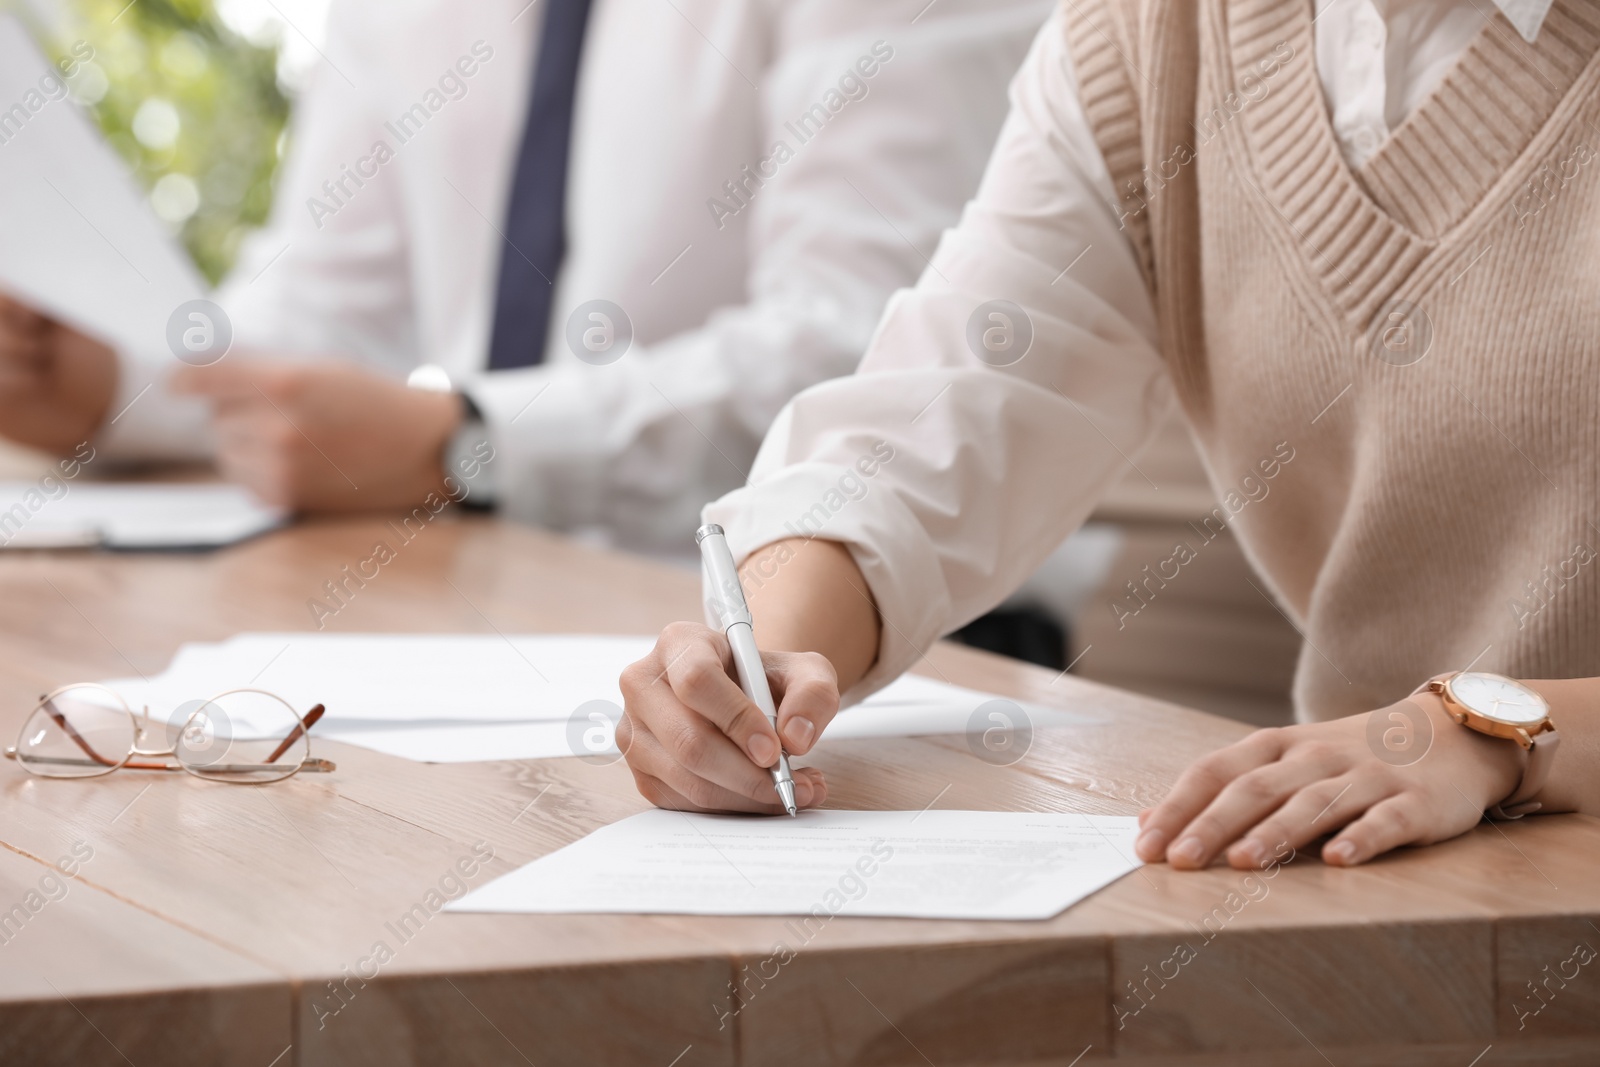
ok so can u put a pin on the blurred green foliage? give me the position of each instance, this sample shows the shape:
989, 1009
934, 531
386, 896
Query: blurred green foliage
166, 59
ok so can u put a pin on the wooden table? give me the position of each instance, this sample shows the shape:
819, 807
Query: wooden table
221, 925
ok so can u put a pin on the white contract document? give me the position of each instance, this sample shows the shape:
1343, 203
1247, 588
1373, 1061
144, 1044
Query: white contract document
901, 864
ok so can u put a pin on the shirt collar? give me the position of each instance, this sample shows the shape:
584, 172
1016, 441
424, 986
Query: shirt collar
1526, 15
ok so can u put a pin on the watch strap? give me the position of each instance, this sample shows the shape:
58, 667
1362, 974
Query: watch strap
461, 454
1534, 775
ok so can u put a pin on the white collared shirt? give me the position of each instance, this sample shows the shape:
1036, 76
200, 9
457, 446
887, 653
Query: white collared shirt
1379, 59
937, 533
746, 272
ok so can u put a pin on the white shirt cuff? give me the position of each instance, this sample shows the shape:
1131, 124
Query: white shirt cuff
839, 503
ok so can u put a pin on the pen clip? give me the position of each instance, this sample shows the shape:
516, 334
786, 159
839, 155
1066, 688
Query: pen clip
724, 595
725, 603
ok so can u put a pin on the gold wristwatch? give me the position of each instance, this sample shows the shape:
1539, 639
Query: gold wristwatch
1502, 707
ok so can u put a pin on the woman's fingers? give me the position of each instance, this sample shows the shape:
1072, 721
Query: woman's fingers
649, 756
807, 780
701, 751
1320, 808
1198, 787
1241, 804
810, 782
660, 793
1393, 822
700, 676
807, 691
696, 741
697, 718
1284, 788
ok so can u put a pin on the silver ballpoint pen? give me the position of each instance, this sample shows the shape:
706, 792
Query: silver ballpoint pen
725, 603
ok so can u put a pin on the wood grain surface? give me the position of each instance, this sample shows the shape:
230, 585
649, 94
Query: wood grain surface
216, 924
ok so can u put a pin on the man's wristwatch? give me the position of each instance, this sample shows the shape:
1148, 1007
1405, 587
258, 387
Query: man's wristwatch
462, 452
1498, 706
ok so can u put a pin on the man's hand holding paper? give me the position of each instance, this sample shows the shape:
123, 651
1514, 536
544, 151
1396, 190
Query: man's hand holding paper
56, 384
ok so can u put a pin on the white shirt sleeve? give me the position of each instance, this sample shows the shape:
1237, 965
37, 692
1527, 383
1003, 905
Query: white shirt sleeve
328, 275
635, 447
950, 479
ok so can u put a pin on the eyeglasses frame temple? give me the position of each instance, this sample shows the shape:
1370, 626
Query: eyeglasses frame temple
300, 730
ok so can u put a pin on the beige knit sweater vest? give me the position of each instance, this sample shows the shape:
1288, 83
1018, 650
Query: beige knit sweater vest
1423, 333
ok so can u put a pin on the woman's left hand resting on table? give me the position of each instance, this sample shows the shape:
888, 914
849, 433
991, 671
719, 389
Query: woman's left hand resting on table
1294, 784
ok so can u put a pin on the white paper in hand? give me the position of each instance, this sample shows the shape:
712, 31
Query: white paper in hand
79, 243
905, 864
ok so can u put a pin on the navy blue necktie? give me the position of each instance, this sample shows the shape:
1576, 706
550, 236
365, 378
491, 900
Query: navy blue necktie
535, 227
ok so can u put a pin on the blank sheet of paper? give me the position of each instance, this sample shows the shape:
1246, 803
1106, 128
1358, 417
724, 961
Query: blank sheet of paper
431, 680
455, 698
907, 864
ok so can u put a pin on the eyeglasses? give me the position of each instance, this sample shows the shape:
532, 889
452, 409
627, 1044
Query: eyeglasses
243, 736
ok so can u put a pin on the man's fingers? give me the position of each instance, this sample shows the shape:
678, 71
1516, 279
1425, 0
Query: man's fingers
807, 690
231, 379
23, 362
699, 678
269, 481
20, 318
1318, 809
24, 351
251, 453
1199, 786
256, 428
202, 381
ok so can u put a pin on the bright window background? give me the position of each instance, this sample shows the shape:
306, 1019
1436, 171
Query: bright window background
297, 27
196, 96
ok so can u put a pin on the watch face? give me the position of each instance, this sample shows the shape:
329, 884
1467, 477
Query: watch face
1499, 698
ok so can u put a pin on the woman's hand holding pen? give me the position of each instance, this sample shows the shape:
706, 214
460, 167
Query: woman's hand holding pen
695, 742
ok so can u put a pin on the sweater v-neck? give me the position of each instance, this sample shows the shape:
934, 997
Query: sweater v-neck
1367, 230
